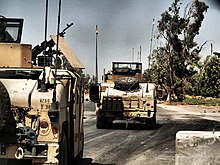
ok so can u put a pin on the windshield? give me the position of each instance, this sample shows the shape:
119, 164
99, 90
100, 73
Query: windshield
126, 67
10, 30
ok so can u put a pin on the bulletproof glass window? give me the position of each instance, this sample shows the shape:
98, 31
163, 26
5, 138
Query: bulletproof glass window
11, 30
126, 67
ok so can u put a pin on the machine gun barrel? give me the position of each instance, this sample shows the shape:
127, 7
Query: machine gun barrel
40, 48
64, 30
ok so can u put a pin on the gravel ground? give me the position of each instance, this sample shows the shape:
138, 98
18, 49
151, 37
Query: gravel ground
191, 108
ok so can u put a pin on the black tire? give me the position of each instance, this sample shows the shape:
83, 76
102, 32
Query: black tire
103, 122
100, 122
15, 162
151, 123
63, 150
5, 111
79, 157
126, 83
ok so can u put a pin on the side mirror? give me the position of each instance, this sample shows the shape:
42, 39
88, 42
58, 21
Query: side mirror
94, 93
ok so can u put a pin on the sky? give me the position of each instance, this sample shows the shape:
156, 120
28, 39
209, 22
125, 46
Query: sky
124, 26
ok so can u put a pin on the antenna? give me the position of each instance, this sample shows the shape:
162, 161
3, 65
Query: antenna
151, 39
43, 85
45, 34
149, 57
53, 111
140, 53
57, 51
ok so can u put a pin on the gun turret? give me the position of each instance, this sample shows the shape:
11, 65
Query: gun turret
38, 49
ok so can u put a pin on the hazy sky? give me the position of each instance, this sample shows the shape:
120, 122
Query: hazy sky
123, 25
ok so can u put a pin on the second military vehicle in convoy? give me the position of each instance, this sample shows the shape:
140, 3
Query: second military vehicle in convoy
124, 96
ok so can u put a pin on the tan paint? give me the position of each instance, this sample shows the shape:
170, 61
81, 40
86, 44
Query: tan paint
15, 55
68, 52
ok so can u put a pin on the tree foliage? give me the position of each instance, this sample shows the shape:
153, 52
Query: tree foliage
178, 59
210, 81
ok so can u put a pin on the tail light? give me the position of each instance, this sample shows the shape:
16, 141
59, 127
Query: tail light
44, 124
44, 127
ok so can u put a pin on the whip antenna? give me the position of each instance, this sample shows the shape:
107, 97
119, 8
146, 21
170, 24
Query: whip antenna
57, 51
53, 111
43, 84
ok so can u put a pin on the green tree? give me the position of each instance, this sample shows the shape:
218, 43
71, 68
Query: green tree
86, 81
180, 55
158, 73
211, 77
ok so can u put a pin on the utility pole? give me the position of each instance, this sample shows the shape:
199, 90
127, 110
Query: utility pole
96, 56
151, 40
132, 54
140, 53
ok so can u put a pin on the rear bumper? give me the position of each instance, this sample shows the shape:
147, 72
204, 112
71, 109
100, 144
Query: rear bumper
21, 162
139, 114
37, 154
126, 114
121, 108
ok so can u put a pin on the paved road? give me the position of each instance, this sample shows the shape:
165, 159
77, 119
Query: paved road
137, 145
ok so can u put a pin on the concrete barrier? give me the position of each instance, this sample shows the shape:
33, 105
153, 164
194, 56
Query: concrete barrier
197, 148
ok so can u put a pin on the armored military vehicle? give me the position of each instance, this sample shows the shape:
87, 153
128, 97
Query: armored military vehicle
41, 104
124, 96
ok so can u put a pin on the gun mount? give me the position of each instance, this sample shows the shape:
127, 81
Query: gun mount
46, 46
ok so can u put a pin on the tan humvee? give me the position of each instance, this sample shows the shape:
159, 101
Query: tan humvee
123, 96
41, 107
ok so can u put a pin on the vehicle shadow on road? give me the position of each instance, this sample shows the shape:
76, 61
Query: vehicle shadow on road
133, 126
88, 161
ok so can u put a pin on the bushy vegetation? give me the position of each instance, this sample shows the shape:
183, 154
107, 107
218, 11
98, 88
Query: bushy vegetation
87, 81
176, 66
202, 101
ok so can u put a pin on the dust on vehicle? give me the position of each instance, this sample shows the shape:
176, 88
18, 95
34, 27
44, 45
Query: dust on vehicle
41, 103
124, 96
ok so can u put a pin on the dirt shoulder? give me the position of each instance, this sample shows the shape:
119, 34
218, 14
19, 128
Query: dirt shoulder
191, 108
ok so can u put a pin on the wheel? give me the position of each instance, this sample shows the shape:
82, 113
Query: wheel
103, 122
63, 150
126, 83
79, 157
100, 122
16, 161
6, 117
108, 122
151, 123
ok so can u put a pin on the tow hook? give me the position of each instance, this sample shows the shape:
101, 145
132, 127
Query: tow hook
19, 153
127, 120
